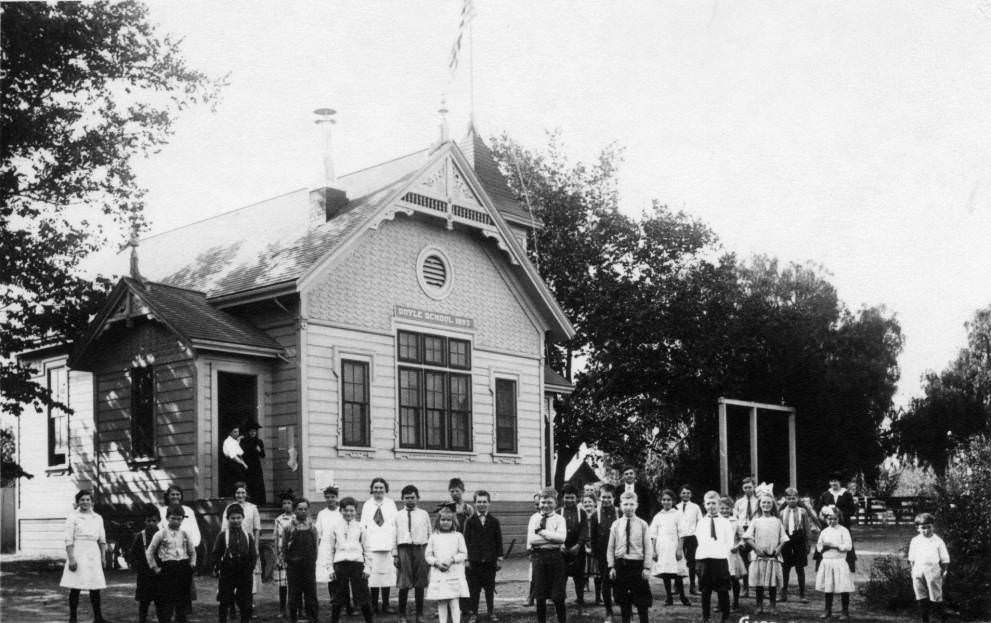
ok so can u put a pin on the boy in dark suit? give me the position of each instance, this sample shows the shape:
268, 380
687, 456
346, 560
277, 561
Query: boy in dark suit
483, 537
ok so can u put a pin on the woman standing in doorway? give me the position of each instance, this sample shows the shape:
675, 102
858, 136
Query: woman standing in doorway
254, 452
232, 459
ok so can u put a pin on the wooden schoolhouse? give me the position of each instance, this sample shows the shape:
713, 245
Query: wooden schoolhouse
385, 323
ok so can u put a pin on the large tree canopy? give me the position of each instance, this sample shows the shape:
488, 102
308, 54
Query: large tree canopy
85, 89
956, 402
667, 323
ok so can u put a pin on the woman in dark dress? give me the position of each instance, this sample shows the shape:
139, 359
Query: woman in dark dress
254, 452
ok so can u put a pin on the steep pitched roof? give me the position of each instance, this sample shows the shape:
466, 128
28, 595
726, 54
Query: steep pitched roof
276, 246
487, 170
266, 243
555, 382
186, 313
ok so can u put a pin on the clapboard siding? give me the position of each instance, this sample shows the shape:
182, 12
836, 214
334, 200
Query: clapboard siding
123, 478
509, 478
42, 537
44, 501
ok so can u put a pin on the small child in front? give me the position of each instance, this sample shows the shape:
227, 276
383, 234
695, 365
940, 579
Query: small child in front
929, 558
545, 535
629, 558
281, 523
446, 554
798, 522
715, 537
234, 556
409, 551
737, 568
352, 562
172, 557
299, 550
145, 590
765, 537
483, 537
833, 575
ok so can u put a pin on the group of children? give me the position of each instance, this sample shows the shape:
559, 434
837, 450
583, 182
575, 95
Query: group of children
755, 542
451, 560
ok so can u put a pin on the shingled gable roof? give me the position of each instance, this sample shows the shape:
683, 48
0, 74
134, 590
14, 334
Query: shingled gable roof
187, 314
273, 246
491, 178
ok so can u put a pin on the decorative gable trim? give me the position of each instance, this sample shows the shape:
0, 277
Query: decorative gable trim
446, 187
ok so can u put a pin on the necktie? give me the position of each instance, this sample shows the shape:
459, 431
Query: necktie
684, 506
409, 521
378, 518
712, 528
627, 536
543, 522
481, 519
750, 510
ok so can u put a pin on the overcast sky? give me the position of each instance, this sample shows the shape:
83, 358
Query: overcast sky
852, 134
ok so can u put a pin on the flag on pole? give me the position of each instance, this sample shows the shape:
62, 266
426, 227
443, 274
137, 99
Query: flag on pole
467, 12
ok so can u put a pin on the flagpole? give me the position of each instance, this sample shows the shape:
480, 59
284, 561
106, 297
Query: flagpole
471, 72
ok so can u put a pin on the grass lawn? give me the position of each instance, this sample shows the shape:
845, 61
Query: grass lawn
29, 592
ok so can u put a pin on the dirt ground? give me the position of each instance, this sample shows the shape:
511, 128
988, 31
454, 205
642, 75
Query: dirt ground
29, 592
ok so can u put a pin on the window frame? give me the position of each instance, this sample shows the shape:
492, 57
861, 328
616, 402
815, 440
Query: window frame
427, 417
497, 416
55, 415
147, 448
364, 404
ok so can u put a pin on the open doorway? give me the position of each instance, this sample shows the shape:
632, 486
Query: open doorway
237, 403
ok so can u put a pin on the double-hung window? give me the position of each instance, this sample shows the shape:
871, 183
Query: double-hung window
355, 417
142, 412
58, 419
434, 392
505, 416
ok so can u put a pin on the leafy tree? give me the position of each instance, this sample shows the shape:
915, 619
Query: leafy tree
956, 403
667, 323
85, 89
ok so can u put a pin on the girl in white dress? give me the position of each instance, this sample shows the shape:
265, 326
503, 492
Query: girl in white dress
833, 575
85, 549
669, 559
765, 536
446, 554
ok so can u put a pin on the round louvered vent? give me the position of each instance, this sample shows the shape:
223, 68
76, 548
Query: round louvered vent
434, 273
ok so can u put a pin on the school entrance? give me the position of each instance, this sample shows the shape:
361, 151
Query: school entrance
237, 403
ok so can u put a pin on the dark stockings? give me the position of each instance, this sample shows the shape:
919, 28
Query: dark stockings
94, 600
772, 593
735, 582
558, 608
723, 599
799, 576
626, 612
417, 600
844, 600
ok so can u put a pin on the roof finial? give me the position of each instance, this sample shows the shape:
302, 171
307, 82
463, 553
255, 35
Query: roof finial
325, 119
444, 134
133, 243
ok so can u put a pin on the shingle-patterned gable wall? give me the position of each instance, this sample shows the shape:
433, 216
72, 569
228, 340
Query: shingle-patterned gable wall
364, 286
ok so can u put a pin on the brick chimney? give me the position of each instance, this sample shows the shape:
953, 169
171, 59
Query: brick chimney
327, 200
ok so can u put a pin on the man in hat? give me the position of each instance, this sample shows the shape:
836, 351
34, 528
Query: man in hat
254, 452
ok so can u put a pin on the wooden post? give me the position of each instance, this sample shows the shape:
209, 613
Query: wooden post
792, 451
723, 451
753, 443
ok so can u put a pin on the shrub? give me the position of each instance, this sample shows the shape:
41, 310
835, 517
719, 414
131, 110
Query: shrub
890, 584
963, 519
